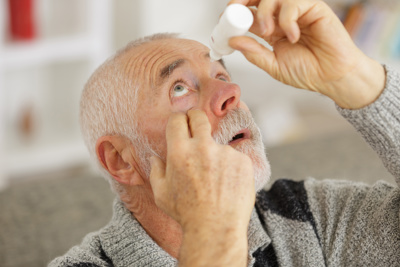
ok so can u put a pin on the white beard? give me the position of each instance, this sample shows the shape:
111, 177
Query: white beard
235, 121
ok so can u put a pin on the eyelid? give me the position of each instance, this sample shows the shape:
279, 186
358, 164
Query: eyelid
174, 84
225, 75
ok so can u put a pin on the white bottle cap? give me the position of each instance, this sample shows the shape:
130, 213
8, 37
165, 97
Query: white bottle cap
236, 21
239, 16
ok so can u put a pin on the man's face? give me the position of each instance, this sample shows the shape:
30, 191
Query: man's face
176, 75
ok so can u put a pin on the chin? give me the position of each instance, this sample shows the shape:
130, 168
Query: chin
255, 150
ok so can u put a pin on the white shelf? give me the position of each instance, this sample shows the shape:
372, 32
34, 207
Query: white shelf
54, 150
50, 157
25, 54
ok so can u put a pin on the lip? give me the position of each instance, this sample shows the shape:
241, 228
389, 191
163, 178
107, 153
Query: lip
246, 135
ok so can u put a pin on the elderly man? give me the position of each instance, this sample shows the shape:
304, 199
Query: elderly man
182, 152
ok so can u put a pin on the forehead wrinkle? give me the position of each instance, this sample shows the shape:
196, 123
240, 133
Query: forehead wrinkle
150, 62
150, 65
130, 68
139, 66
144, 64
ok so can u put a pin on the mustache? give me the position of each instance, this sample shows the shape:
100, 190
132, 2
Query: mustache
236, 120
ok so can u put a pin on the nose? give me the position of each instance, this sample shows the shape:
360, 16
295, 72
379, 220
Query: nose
224, 97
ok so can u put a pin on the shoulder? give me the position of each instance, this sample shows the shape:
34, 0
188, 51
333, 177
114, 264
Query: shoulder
286, 198
309, 201
88, 254
292, 198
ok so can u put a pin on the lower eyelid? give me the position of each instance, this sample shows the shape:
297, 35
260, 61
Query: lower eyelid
183, 102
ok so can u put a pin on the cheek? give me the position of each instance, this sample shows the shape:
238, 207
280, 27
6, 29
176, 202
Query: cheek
152, 124
156, 136
183, 104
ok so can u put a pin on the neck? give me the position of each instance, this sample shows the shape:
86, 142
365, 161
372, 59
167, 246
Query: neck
164, 230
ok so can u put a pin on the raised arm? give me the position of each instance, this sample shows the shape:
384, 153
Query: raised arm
311, 50
356, 224
379, 123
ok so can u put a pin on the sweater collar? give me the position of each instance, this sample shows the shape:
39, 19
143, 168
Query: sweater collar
257, 236
126, 243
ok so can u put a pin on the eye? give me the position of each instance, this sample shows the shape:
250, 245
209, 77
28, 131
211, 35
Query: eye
222, 77
179, 90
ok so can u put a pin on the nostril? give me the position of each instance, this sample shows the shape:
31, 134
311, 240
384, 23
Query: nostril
227, 102
224, 105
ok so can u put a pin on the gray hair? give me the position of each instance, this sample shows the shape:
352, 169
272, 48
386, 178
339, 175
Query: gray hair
108, 106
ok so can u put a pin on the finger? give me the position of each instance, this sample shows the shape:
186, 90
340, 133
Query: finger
265, 16
177, 128
256, 53
157, 177
200, 126
256, 27
157, 168
257, 30
245, 2
288, 17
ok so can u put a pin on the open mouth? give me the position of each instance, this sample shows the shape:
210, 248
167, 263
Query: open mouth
242, 135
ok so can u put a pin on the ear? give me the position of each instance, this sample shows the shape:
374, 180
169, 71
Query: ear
115, 155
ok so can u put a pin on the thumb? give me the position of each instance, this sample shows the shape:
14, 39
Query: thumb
157, 174
255, 52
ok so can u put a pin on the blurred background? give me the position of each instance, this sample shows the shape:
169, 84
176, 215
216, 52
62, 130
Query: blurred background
49, 48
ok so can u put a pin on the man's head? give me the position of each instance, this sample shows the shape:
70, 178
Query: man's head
127, 102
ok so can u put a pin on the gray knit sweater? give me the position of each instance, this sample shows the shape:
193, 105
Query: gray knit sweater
310, 223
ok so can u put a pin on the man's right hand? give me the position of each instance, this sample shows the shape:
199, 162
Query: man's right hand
208, 189
311, 50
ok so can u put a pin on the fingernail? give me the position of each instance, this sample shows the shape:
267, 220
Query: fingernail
263, 28
292, 35
291, 38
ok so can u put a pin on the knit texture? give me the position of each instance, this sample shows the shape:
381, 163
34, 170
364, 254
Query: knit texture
379, 123
309, 223
123, 242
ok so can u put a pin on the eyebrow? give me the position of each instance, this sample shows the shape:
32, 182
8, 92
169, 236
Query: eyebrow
169, 69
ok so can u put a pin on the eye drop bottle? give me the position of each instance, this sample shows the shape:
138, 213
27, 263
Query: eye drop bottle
235, 21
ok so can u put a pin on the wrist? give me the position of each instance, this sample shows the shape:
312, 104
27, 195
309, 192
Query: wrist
218, 245
203, 227
360, 87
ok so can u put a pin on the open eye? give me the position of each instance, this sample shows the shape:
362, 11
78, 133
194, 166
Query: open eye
179, 90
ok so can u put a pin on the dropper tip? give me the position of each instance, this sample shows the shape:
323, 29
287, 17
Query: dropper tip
214, 56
